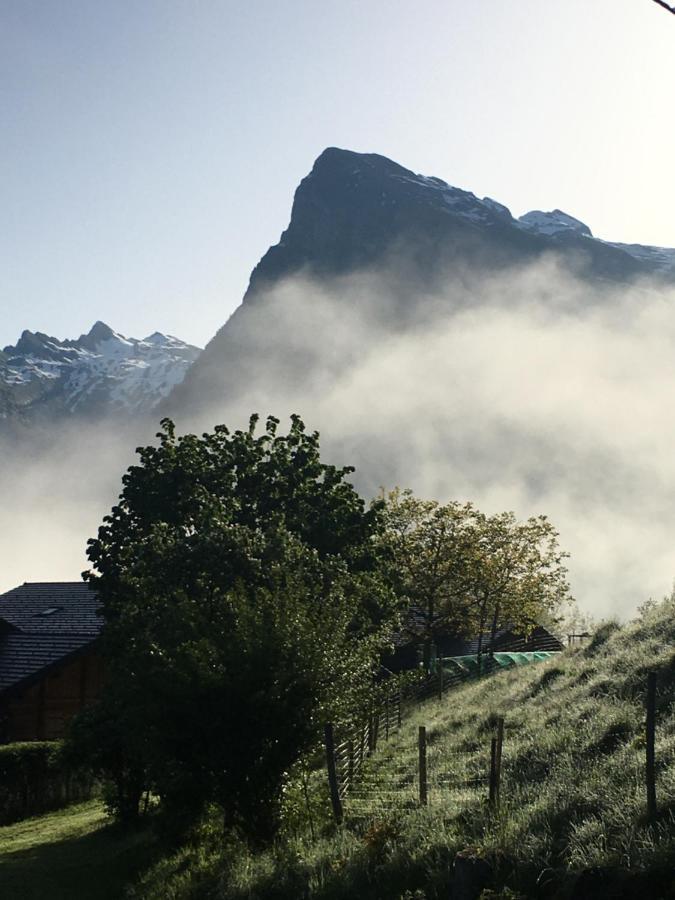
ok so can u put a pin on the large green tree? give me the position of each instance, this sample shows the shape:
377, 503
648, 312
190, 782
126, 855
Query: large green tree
243, 603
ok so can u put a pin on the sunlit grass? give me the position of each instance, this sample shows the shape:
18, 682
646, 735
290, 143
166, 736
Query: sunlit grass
70, 854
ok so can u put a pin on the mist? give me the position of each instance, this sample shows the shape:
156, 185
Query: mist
55, 488
531, 391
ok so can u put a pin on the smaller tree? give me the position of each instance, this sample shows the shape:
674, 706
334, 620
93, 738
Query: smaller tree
431, 548
516, 574
464, 571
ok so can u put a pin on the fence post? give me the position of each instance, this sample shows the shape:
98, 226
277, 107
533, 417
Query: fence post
422, 745
386, 716
399, 704
493, 771
350, 768
500, 744
496, 763
651, 735
332, 774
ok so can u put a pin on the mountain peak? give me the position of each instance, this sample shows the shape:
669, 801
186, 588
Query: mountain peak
359, 213
31, 342
353, 208
338, 159
554, 222
98, 334
100, 331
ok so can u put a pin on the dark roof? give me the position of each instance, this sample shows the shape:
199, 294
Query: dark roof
42, 624
508, 639
74, 603
22, 656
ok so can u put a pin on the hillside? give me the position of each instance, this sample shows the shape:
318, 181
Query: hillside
572, 818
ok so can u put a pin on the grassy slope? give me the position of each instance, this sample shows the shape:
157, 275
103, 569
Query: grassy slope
572, 791
72, 854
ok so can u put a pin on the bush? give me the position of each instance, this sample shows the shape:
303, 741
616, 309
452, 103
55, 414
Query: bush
36, 777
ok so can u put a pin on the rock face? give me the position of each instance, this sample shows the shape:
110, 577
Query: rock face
358, 212
354, 209
101, 373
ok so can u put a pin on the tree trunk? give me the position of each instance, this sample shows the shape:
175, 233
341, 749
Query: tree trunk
429, 637
426, 657
493, 632
481, 629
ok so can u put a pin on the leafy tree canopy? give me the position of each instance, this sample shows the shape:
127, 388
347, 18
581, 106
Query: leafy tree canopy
243, 602
466, 571
430, 546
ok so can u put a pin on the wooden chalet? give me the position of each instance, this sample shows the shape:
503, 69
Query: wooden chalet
49, 664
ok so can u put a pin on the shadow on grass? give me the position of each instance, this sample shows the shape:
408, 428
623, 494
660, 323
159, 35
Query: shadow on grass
94, 866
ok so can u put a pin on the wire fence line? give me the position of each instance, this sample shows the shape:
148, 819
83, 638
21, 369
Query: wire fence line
420, 773
369, 776
385, 782
423, 773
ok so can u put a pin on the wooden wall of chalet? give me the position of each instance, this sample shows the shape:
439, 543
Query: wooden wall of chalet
42, 711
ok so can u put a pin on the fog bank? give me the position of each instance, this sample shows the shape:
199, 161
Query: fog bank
533, 392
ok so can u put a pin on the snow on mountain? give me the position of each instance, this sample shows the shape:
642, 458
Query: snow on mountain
553, 223
660, 258
100, 372
459, 202
557, 222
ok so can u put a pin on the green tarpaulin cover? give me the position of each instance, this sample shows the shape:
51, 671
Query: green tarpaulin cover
469, 664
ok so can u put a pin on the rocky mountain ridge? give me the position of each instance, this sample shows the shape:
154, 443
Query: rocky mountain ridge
100, 373
360, 212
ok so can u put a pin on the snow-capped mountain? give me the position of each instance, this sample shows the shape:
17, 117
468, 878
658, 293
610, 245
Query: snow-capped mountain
101, 372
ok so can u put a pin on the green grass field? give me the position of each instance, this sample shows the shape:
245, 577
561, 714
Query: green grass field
70, 854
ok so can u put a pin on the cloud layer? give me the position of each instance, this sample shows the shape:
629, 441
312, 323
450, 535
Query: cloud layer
532, 392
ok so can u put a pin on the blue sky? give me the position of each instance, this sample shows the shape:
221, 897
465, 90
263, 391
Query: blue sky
150, 150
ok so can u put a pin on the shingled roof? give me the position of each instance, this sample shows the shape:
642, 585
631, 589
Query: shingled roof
41, 625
